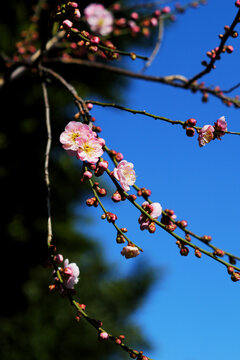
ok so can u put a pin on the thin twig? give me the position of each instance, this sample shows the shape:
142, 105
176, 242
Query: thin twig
231, 89
78, 100
144, 112
46, 166
178, 81
211, 63
157, 45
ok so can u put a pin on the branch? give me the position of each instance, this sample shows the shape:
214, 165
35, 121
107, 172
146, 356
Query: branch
46, 167
157, 45
144, 112
220, 48
22, 68
178, 81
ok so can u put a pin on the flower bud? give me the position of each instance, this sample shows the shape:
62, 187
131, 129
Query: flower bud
58, 258
103, 335
230, 270
67, 24
116, 197
184, 251
87, 175
191, 122
198, 253
152, 228
218, 252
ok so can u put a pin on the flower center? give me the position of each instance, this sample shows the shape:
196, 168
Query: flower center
100, 22
87, 148
74, 136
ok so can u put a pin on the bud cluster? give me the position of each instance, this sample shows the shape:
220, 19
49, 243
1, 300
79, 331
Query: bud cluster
167, 219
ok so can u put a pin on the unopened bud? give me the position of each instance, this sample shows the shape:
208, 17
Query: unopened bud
103, 335
184, 251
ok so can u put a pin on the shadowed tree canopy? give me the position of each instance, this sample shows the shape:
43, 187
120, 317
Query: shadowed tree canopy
36, 324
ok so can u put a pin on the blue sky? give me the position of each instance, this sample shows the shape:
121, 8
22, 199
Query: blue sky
192, 312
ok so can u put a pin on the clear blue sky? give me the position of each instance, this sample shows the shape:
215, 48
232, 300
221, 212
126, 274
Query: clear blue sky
192, 312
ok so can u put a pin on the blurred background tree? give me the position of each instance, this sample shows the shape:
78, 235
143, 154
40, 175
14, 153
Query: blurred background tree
34, 323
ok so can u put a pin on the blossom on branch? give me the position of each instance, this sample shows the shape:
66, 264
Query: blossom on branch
125, 174
73, 130
220, 127
99, 19
130, 251
205, 135
79, 139
89, 149
70, 274
154, 210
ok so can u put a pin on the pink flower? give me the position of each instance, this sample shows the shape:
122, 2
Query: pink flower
154, 211
205, 135
79, 139
125, 174
130, 251
220, 127
99, 19
73, 130
70, 274
89, 149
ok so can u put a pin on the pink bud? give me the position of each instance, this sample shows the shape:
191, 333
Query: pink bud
95, 40
121, 22
58, 258
116, 197
134, 15
103, 164
220, 127
166, 10
237, 3
103, 335
67, 24
184, 251
76, 14
72, 4
87, 175
157, 13
190, 131
119, 156
229, 49
89, 106
191, 122
153, 22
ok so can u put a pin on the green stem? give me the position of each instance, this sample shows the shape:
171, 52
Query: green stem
143, 112
186, 242
121, 52
106, 212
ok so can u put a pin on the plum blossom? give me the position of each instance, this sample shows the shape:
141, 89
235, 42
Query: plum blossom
70, 274
130, 251
89, 149
99, 19
154, 210
220, 127
73, 130
205, 135
125, 174
79, 139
